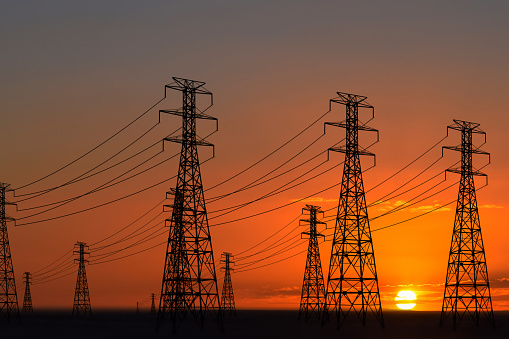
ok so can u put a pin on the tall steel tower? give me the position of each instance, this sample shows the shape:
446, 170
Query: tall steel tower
312, 300
81, 304
153, 305
352, 280
227, 298
189, 277
27, 300
8, 296
467, 287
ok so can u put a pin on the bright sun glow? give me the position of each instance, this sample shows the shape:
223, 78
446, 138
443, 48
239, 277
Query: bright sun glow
405, 299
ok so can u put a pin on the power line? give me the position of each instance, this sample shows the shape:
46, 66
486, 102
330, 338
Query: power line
256, 183
54, 262
136, 243
131, 235
101, 205
128, 255
287, 248
98, 188
272, 193
258, 244
272, 263
405, 167
276, 208
271, 153
93, 149
129, 225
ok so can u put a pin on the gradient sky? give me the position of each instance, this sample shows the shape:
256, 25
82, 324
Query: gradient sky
72, 74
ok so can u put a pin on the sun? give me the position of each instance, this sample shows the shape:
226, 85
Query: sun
405, 300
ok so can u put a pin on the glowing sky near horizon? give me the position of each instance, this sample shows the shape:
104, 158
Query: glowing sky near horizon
73, 74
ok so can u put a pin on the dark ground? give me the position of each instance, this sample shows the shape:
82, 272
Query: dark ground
248, 324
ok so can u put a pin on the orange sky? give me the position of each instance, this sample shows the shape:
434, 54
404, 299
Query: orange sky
72, 76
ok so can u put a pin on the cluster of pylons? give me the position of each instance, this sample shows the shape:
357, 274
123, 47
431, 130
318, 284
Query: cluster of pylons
352, 282
189, 284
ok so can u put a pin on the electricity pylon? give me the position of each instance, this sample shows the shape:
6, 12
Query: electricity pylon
467, 287
189, 278
8, 297
227, 298
352, 280
27, 300
312, 300
153, 305
81, 304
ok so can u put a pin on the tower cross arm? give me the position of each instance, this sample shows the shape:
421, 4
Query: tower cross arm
342, 149
179, 112
181, 84
472, 172
179, 139
310, 234
460, 149
347, 98
343, 124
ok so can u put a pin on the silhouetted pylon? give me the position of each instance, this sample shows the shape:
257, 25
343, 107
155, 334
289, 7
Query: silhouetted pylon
27, 300
81, 304
352, 283
189, 277
153, 305
312, 300
8, 296
467, 287
227, 298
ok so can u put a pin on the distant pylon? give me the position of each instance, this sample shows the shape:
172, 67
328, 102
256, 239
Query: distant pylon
27, 300
467, 287
189, 277
8, 297
153, 306
81, 304
352, 280
312, 300
137, 307
227, 298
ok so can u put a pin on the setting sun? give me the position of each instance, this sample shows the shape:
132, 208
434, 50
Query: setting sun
406, 300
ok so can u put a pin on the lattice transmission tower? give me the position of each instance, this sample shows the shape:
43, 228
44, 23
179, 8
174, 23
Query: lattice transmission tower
81, 304
227, 298
8, 297
467, 287
27, 300
189, 279
312, 300
352, 283
153, 305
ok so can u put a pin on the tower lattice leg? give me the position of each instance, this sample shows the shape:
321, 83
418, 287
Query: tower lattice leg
227, 298
189, 278
467, 287
312, 300
8, 296
352, 284
27, 300
81, 306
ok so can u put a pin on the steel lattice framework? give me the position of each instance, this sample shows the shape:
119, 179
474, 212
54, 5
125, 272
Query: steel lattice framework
153, 304
81, 304
352, 280
8, 297
189, 279
227, 298
27, 300
312, 300
467, 287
